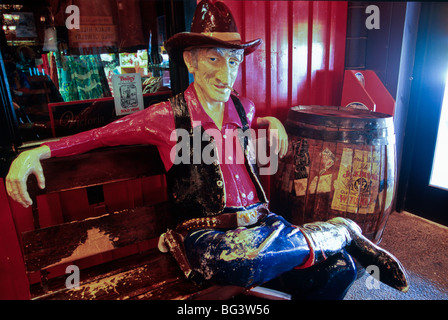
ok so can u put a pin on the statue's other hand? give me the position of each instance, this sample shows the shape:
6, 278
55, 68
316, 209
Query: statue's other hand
28, 162
277, 134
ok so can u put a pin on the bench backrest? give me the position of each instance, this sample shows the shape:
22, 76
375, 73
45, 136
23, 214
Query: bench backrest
44, 248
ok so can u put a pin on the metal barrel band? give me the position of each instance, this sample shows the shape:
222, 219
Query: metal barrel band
380, 137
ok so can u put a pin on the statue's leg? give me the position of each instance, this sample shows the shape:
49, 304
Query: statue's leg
247, 256
329, 280
255, 255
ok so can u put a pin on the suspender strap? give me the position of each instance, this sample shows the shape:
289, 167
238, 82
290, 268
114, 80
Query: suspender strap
241, 112
182, 119
243, 117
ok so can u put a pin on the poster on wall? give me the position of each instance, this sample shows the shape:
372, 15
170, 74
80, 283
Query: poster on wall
128, 94
94, 35
25, 26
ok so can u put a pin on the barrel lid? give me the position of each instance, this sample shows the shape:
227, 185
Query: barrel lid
340, 124
340, 117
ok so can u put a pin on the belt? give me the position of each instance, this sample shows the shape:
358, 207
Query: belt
174, 238
232, 220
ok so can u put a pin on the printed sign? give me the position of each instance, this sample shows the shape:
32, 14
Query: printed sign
127, 93
93, 31
356, 188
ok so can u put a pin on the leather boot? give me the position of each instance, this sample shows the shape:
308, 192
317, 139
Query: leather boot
328, 238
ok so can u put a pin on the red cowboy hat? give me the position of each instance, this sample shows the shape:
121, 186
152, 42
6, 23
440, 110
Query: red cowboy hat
213, 26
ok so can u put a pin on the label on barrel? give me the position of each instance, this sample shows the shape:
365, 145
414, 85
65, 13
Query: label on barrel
356, 188
302, 162
321, 184
328, 159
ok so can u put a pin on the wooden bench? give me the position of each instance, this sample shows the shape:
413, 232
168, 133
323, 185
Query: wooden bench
114, 247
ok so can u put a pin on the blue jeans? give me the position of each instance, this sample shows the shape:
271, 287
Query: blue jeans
255, 255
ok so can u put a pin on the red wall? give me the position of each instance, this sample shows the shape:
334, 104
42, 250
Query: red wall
301, 60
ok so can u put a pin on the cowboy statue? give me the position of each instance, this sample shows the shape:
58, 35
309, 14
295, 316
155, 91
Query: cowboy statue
226, 233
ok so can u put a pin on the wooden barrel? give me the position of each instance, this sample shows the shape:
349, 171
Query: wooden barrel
340, 162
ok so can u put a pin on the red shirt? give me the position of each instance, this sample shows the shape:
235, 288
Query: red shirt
155, 125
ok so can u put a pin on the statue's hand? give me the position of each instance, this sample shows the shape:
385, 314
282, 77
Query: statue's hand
28, 162
277, 134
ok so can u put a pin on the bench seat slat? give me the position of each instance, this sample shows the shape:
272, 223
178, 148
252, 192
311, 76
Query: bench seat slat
156, 276
79, 239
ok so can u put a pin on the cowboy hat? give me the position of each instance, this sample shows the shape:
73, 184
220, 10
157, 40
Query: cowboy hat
213, 26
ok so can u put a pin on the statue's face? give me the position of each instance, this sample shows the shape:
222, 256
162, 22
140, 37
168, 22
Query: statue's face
215, 71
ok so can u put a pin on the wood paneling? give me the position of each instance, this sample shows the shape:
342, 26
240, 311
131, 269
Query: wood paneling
301, 60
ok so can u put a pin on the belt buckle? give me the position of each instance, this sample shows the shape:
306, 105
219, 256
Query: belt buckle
247, 217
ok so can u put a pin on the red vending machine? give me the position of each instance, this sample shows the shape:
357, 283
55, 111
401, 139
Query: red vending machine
363, 89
